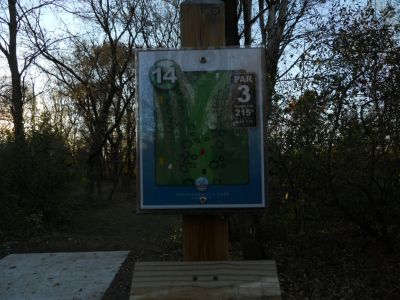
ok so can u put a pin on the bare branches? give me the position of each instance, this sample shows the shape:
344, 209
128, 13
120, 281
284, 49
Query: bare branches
97, 75
25, 12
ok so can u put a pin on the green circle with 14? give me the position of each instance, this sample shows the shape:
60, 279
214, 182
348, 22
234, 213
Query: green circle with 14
163, 74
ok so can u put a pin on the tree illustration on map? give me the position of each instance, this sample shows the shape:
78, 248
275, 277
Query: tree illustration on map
194, 136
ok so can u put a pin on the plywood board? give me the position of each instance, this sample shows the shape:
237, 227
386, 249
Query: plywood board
61, 276
205, 280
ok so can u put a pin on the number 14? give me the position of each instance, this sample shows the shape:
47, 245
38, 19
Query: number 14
169, 75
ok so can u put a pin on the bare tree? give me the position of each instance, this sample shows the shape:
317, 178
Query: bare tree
278, 21
99, 74
15, 17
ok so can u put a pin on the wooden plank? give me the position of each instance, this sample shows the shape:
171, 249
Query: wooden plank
251, 264
231, 274
205, 264
202, 26
205, 280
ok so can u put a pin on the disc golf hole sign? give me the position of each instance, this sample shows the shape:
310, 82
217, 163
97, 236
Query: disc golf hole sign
200, 129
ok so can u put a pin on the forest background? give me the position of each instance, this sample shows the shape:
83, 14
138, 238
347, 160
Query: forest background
68, 124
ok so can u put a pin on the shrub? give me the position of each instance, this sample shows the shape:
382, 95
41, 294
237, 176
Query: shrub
35, 180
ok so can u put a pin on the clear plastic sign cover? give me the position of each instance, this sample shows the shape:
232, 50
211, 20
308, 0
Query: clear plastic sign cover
200, 128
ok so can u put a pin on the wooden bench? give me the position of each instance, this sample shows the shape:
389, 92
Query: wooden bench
206, 280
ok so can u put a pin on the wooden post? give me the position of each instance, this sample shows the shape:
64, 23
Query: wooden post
205, 237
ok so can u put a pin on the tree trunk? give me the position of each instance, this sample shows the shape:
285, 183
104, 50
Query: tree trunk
130, 141
275, 27
130, 155
250, 241
232, 37
262, 22
95, 162
17, 97
95, 175
247, 9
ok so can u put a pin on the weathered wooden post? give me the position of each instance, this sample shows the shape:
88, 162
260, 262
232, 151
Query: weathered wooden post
205, 237
176, 89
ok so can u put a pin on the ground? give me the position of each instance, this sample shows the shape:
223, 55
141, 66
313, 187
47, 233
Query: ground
319, 265
111, 227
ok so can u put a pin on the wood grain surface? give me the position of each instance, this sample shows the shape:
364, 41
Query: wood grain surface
205, 280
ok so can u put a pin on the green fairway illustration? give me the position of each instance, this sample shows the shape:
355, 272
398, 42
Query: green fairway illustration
194, 136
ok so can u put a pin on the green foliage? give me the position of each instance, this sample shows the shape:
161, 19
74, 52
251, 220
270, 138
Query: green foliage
35, 179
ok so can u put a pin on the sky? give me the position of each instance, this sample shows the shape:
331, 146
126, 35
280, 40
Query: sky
55, 22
